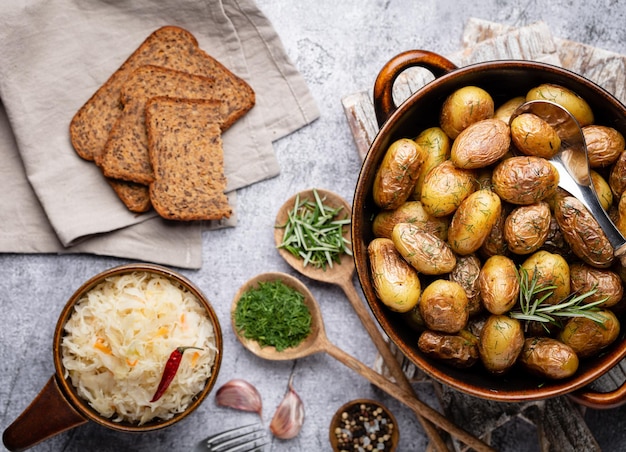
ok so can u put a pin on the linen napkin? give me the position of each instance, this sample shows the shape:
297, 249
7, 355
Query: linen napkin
54, 56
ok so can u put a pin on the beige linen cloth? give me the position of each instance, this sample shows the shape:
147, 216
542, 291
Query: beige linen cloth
54, 56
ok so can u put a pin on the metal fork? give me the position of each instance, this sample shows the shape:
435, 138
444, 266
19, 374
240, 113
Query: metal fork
247, 438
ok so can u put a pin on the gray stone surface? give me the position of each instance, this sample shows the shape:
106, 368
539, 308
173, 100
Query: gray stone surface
339, 46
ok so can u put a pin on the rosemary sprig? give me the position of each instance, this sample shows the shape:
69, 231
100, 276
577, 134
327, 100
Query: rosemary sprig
532, 295
314, 233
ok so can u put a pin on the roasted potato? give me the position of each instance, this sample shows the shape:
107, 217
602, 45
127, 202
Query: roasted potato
548, 358
534, 136
498, 284
396, 283
525, 179
527, 227
608, 284
588, 337
555, 243
481, 144
426, 252
409, 212
568, 99
443, 306
504, 111
396, 177
459, 350
436, 145
500, 343
473, 220
466, 272
604, 145
582, 232
603, 190
549, 269
445, 186
495, 244
463, 107
617, 176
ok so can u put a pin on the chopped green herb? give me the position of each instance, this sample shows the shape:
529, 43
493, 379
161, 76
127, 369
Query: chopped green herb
273, 314
314, 233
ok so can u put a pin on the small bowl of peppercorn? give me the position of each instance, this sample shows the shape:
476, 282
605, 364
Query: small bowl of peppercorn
363, 425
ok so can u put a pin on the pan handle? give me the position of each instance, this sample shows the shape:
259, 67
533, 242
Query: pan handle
384, 105
600, 400
49, 414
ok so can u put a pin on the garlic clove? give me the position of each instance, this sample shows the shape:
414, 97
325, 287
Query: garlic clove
240, 395
289, 415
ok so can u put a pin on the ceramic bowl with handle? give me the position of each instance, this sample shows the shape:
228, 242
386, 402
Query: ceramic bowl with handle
60, 397
503, 80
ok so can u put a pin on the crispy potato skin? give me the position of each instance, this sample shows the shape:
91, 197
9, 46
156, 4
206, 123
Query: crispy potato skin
583, 234
604, 145
607, 284
436, 144
397, 174
548, 358
459, 350
444, 306
498, 284
395, 281
481, 144
534, 136
464, 107
587, 337
572, 102
473, 220
501, 342
426, 252
525, 179
445, 187
527, 227
551, 269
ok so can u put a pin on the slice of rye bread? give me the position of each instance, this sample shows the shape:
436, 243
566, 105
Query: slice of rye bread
171, 47
136, 197
188, 160
125, 154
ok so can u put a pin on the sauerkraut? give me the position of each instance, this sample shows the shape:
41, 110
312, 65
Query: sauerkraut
119, 338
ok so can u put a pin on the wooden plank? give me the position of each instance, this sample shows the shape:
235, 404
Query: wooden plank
531, 43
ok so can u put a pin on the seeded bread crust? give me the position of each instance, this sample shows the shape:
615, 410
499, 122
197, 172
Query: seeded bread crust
136, 197
125, 154
171, 47
186, 152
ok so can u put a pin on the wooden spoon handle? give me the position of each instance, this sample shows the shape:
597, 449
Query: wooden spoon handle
390, 360
407, 398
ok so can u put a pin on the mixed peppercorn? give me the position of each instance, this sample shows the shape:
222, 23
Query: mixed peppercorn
364, 427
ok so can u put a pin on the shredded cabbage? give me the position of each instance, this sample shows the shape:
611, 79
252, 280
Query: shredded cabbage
119, 338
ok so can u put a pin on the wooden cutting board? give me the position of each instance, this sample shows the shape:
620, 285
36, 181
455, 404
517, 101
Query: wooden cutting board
559, 422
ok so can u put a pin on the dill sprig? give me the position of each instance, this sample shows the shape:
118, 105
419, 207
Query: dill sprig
532, 307
314, 233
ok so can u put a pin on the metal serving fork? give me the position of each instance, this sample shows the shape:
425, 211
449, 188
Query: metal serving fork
247, 438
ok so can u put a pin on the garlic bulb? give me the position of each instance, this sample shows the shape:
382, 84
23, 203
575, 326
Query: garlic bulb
240, 395
289, 415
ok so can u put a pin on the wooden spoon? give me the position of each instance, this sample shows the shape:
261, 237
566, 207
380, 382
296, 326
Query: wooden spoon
342, 274
317, 342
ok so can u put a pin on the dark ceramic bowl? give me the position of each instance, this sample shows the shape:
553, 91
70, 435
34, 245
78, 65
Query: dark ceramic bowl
59, 396
503, 80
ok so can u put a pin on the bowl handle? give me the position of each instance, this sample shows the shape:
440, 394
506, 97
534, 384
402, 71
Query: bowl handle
36, 423
383, 87
600, 400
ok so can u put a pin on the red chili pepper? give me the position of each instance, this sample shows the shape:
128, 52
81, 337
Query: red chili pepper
171, 367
